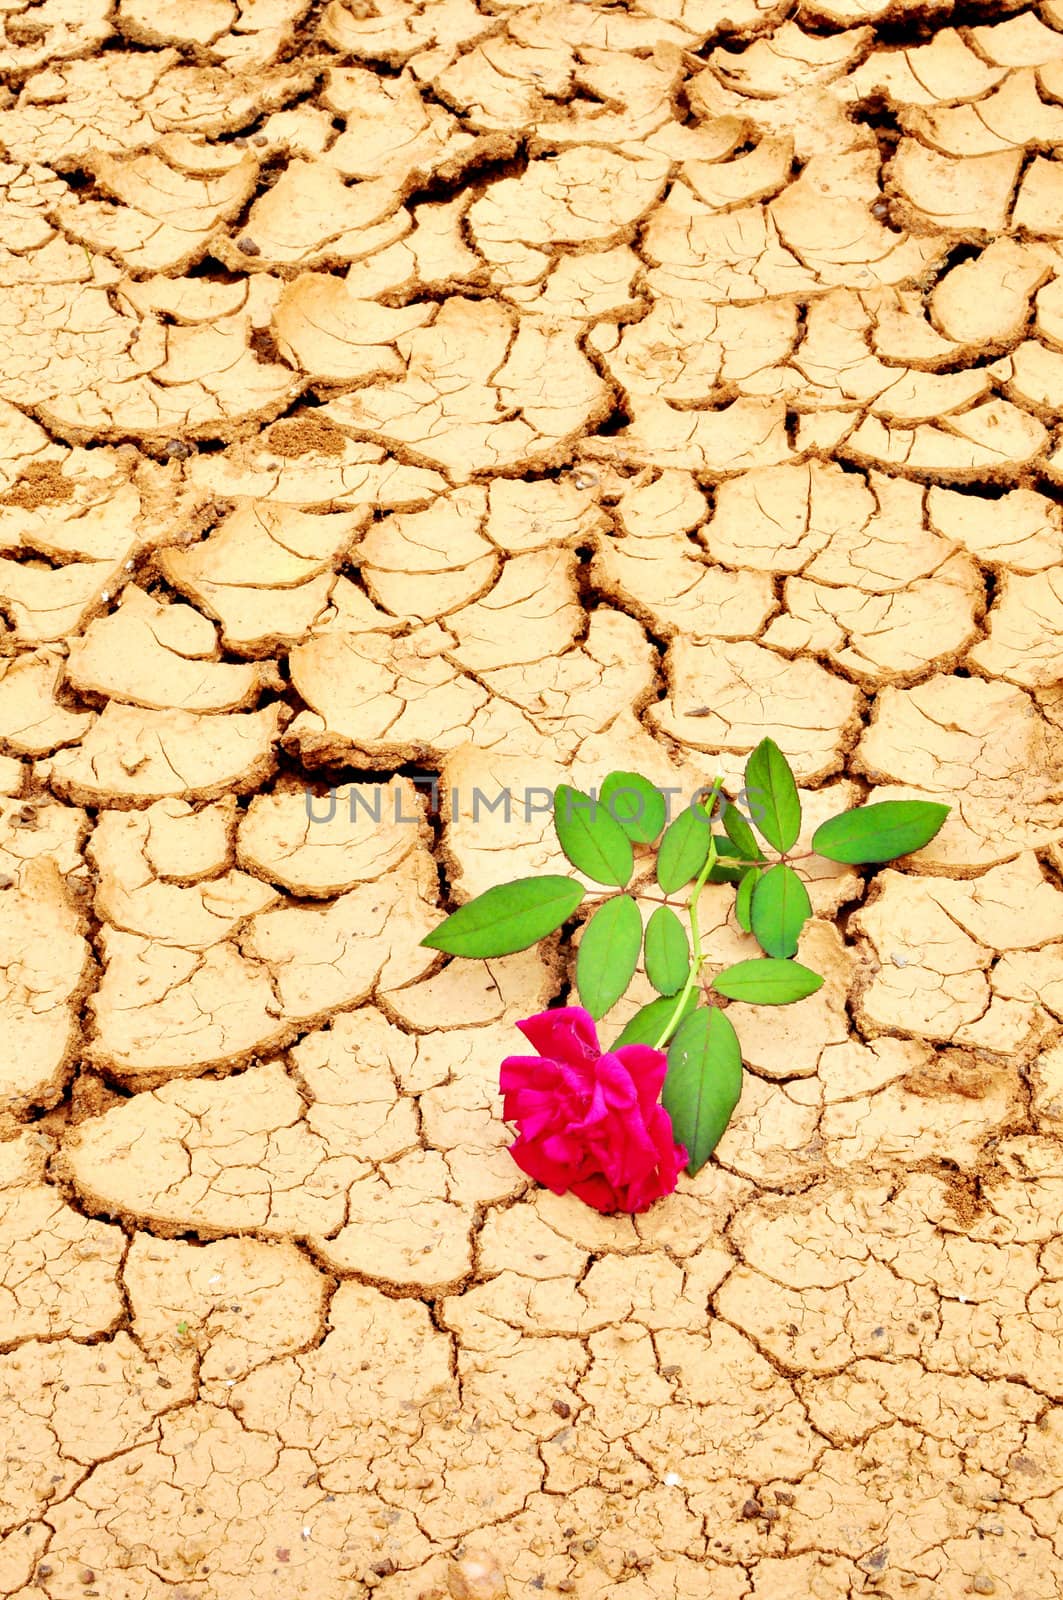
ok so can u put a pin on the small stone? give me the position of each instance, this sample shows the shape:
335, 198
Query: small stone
751, 1509
248, 246
561, 1408
177, 449
259, 139
982, 1583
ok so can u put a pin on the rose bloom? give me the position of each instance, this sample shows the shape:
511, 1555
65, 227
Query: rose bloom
590, 1122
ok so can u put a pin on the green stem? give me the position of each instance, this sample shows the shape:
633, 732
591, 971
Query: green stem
696, 958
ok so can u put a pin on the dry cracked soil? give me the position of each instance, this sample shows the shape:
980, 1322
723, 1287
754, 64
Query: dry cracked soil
498, 393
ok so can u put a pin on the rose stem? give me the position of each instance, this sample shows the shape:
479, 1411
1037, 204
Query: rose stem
695, 933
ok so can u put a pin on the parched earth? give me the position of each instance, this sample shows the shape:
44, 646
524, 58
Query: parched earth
494, 393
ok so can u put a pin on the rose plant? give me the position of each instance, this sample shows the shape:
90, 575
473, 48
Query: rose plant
615, 1127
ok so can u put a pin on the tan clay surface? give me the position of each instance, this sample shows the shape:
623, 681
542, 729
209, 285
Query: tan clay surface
495, 394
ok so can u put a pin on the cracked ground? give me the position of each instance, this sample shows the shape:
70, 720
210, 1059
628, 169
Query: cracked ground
498, 394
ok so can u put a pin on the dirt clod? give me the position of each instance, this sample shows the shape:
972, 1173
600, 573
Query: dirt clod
477, 1576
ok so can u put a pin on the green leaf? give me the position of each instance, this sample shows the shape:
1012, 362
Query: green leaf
667, 951
608, 954
703, 1083
683, 849
880, 832
726, 872
647, 1025
592, 841
743, 900
780, 909
636, 804
740, 833
772, 795
511, 917
766, 982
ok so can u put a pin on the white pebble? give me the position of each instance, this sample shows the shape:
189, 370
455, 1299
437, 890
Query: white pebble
672, 1479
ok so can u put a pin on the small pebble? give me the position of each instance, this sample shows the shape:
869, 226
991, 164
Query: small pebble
248, 246
751, 1509
177, 449
983, 1584
259, 139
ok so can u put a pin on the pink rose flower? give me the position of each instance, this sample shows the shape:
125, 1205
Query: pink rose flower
590, 1123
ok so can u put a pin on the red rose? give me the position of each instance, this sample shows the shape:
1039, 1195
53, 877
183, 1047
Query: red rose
589, 1122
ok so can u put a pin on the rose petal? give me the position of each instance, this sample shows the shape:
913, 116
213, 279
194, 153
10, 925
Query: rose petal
647, 1068
567, 1034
